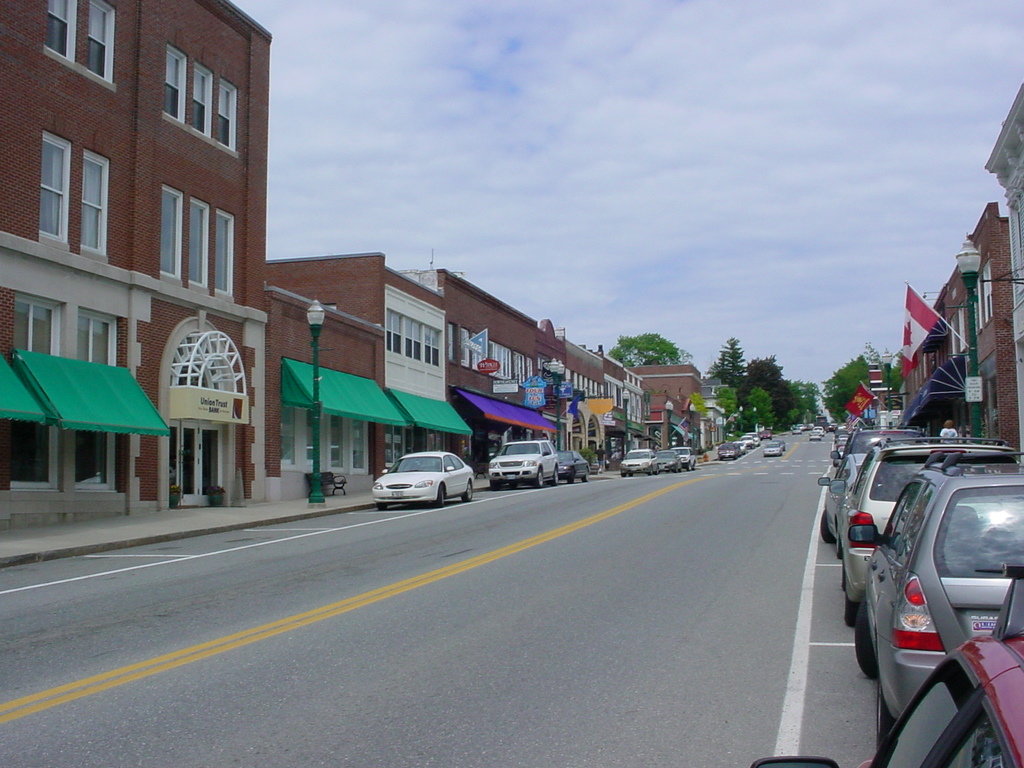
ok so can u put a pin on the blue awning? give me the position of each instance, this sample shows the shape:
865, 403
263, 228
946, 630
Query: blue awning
946, 383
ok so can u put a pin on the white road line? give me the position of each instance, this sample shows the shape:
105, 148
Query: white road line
829, 565
787, 741
165, 556
832, 645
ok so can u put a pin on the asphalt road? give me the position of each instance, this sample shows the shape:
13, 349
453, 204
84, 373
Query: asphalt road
676, 620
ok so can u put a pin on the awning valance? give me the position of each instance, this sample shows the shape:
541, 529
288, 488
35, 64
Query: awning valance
342, 394
945, 383
16, 402
506, 413
89, 396
429, 413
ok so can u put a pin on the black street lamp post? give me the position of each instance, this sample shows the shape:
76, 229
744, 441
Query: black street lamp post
557, 370
968, 261
315, 317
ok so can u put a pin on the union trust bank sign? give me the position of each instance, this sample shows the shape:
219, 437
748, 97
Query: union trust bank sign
208, 405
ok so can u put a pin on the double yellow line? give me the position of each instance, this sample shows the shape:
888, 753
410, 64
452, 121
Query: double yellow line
52, 697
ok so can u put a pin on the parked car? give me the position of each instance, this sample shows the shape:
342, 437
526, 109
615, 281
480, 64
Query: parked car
532, 461
774, 448
752, 438
668, 461
817, 433
572, 466
639, 460
430, 477
728, 451
686, 457
935, 577
872, 495
834, 510
968, 711
861, 440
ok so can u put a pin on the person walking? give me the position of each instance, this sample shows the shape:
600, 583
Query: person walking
600, 460
949, 429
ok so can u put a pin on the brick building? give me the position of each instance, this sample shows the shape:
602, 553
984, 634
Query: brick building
132, 243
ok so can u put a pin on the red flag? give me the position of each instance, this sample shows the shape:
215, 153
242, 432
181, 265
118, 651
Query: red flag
860, 401
919, 321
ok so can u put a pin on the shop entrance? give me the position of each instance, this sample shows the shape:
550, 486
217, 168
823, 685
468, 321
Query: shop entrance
194, 457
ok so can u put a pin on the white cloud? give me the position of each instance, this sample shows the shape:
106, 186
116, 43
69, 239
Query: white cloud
703, 169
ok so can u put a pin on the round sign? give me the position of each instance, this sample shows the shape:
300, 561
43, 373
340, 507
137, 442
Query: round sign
487, 365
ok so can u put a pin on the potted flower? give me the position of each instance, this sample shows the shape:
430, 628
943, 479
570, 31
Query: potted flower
174, 496
214, 495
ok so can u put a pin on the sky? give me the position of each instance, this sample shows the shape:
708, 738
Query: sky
771, 170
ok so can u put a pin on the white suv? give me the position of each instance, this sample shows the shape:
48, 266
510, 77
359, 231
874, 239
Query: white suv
533, 461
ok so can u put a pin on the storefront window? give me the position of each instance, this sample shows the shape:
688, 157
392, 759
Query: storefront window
287, 435
309, 438
334, 436
358, 445
92, 452
30, 463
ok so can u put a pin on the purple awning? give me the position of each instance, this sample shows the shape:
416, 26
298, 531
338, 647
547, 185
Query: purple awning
507, 413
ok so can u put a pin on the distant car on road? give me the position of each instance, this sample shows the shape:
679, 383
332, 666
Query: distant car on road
687, 457
765, 434
774, 448
728, 451
639, 460
816, 434
668, 461
429, 477
572, 466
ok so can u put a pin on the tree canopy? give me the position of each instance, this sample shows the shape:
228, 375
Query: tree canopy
648, 349
766, 374
730, 368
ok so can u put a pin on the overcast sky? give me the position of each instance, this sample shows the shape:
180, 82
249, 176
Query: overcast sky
770, 170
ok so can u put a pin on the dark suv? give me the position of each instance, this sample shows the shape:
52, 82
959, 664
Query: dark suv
968, 712
861, 440
936, 579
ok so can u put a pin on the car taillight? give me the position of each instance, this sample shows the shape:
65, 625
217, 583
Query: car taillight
913, 628
862, 518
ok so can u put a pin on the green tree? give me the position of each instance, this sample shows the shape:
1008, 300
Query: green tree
648, 349
699, 404
730, 368
766, 374
726, 400
760, 407
843, 383
806, 395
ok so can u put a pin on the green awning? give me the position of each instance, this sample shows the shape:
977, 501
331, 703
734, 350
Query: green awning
88, 396
342, 394
16, 402
429, 413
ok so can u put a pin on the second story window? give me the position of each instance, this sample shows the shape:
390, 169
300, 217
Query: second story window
431, 345
227, 104
35, 325
224, 252
170, 232
174, 84
202, 95
60, 27
413, 339
101, 39
94, 202
53, 187
96, 338
393, 336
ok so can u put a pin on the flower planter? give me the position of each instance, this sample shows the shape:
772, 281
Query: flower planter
215, 499
174, 500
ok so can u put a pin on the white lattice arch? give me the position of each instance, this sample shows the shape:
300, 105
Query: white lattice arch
208, 359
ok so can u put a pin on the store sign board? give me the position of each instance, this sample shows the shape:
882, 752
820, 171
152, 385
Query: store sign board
972, 389
208, 405
504, 386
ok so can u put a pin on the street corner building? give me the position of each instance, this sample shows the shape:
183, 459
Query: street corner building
132, 244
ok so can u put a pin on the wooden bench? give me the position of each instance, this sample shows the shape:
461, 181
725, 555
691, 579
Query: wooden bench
329, 481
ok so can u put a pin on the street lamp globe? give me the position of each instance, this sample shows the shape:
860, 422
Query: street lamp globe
315, 314
968, 261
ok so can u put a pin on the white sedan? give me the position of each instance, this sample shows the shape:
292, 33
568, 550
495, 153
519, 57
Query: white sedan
428, 477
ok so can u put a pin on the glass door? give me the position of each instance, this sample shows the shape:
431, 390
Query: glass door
195, 457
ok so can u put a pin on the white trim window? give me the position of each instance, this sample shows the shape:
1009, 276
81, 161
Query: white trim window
95, 182
227, 107
413, 339
198, 241
431, 345
985, 295
100, 52
288, 436
453, 334
170, 231
60, 27
224, 253
174, 84
393, 333
97, 338
35, 325
202, 98
55, 177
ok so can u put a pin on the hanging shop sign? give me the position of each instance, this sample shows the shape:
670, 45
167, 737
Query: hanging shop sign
504, 386
208, 405
488, 365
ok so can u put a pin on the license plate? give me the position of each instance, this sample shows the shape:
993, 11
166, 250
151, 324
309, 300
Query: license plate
397, 494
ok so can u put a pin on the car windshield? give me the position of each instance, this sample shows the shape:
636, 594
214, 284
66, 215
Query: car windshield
417, 464
667, 455
566, 456
862, 441
894, 472
514, 449
638, 455
982, 529
683, 451
773, 444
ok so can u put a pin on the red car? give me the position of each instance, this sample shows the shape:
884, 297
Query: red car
970, 712
765, 434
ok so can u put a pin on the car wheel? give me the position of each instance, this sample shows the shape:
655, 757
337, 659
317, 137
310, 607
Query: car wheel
554, 477
826, 535
468, 494
884, 721
494, 486
441, 494
538, 481
867, 659
585, 478
850, 609
381, 506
